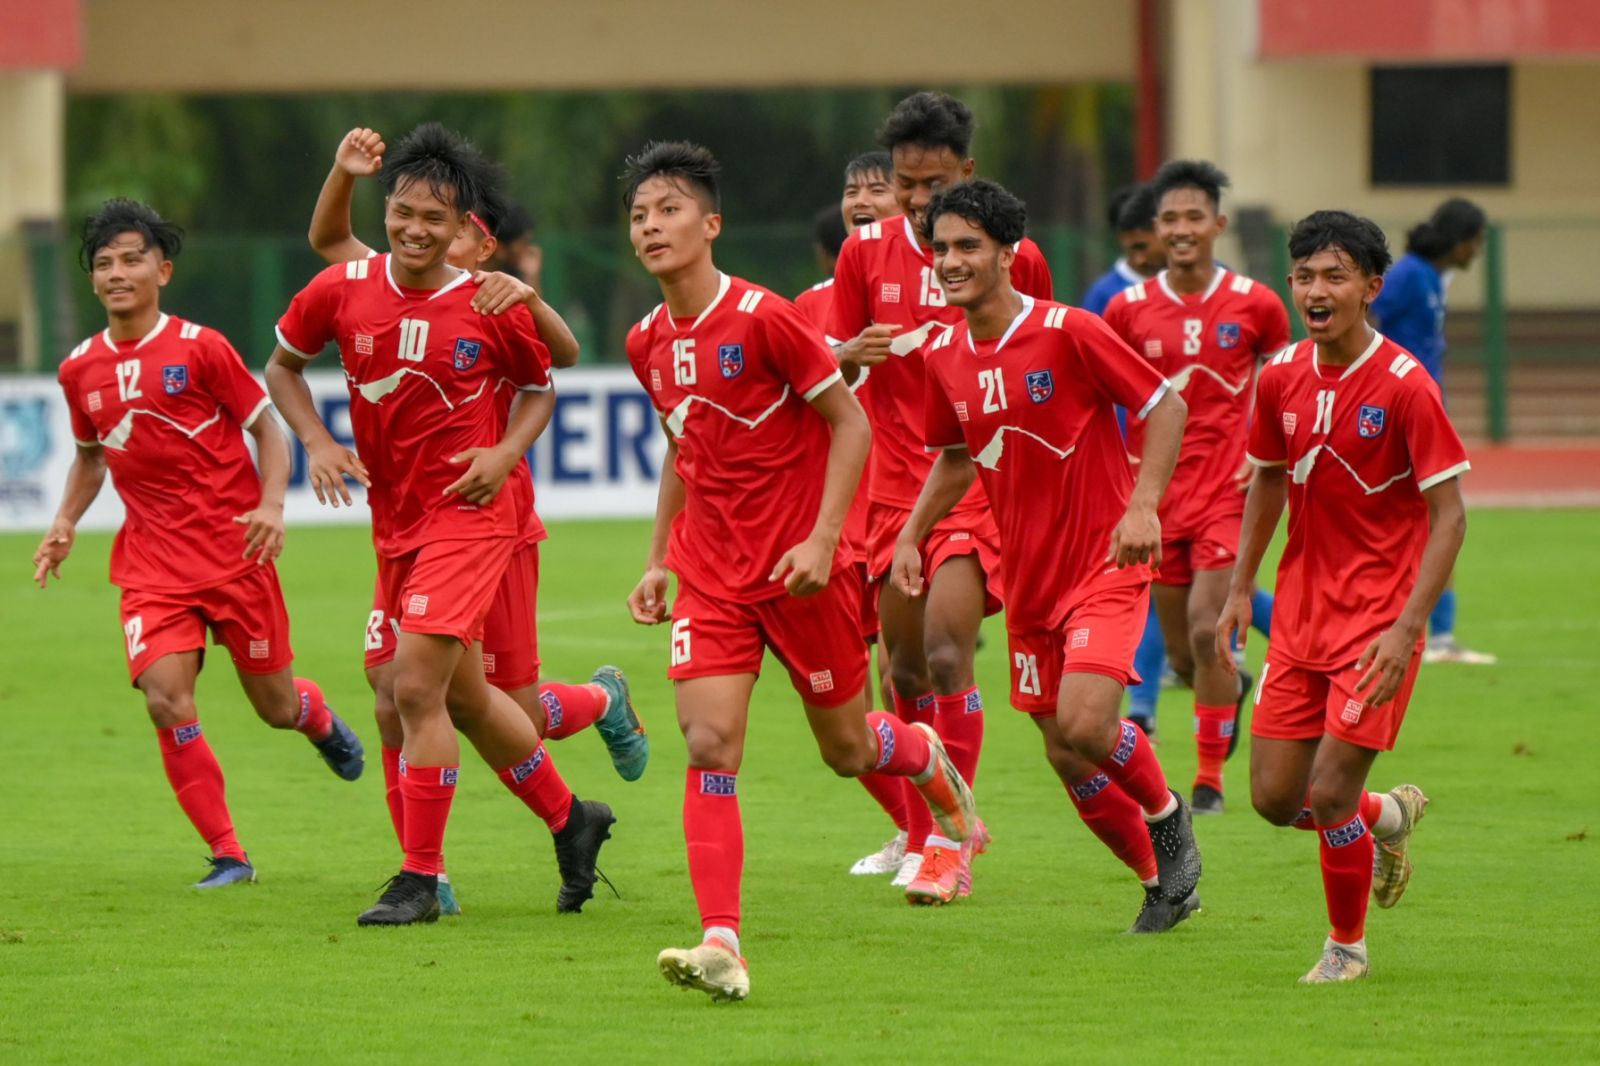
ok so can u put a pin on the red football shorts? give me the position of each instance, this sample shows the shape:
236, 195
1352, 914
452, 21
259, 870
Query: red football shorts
971, 532
1212, 545
511, 632
1099, 635
817, 638
245, 615
868, 611
1296, 703
444, 588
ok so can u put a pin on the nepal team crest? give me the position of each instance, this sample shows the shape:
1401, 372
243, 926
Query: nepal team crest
1370, 421
174, 379
467, 352
1041, 386
730, 360
1227, 334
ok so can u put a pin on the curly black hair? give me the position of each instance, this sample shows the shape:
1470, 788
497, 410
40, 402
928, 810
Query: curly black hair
987, 204
1359, 238
120, 216
929, 120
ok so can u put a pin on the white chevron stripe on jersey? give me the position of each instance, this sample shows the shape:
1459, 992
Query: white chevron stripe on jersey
989, 458
1302, 470
118, 437
680, 413
1180, 380
906, 343
375, 391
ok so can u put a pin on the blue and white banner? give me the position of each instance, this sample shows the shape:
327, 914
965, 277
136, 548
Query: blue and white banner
599, 458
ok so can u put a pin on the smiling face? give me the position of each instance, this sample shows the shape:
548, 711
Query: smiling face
868, 197
1332, 294
421, 225
970, 264
671, 225
128, 273
920, 172
1188, 225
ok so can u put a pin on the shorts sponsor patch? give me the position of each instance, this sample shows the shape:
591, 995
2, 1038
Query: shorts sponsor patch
524, 769
1351, 713
713, 783
260, 649
488, 662
822, 681
1078, 638
959, 534
417, 604
186, 732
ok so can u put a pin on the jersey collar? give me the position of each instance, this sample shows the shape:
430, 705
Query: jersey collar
1022, 315
724, 282
1361, 360
461, 278
161, 324
1218, 273
1126, 272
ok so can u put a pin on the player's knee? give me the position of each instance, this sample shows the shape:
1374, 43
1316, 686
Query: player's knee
949, 666
1276, 810
1089, 738
1332, 800
710, 747
1203, 640
908, 679
415, 696
848, 760
168, 708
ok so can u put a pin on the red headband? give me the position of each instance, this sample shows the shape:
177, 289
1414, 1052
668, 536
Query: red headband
476, 221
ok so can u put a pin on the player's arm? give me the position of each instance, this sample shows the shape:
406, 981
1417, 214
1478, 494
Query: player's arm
1137, 538
805, 568
1263, 508
328, 462
488, 468
648, 600
849, 316
498, 292
84, 479
952, 475
263, 535
360, 154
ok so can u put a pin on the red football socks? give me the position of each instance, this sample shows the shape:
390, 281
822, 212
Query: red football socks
959, 720
1113, 816
196, 780
715, 838
1135, 769
902, 750
391, 793
1212, 726
919, 820
890, 794
316, 720
1346, 851
570, 709
535, 782
426, 792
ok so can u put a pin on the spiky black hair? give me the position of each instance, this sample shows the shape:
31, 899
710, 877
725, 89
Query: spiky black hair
679, 161
1359, 238
1190, 174
120, 216
929, 120
446, 162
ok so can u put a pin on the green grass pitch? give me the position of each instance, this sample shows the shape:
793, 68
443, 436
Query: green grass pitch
107, 956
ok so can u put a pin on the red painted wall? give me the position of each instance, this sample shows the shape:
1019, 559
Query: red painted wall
1425, 30
41, 34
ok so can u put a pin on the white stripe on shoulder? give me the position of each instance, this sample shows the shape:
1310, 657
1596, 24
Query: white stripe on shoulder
644, 323
356, 269
1241, 284
188, 331
748, 302
943, 338
1055, 318
1135, 293
1286, 355
79, 350
871, 231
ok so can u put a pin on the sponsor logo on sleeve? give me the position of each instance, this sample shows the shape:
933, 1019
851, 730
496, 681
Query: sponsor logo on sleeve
174, 379
1370, 421
1041, 386
961, 411
1290, 420
655, 379
92, 401
467, 352
730, 360
1227, 334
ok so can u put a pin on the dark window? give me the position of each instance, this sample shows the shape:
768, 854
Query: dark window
1441, 125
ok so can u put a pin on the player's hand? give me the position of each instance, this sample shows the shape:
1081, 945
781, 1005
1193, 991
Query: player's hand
263, 534
1243, 476
648, 600
360, 154
327, 465
485, 476
805, 568
870, 347
53, 551
499, 292
1137, 539
1235, 618
906, 570
1386, 661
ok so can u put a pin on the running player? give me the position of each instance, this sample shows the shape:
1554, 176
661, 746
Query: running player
1410, 311
421, 364
510, 645
1206, 328
1020, 393
867, 198
164, 404
765, 446
885, 301
1351, 433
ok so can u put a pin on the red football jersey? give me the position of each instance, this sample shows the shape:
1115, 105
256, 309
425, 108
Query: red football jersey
885, 276
734, 386
1362, 443
816, 303
1208, 345
1035, 409
520, 481
169, 409
422, 369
